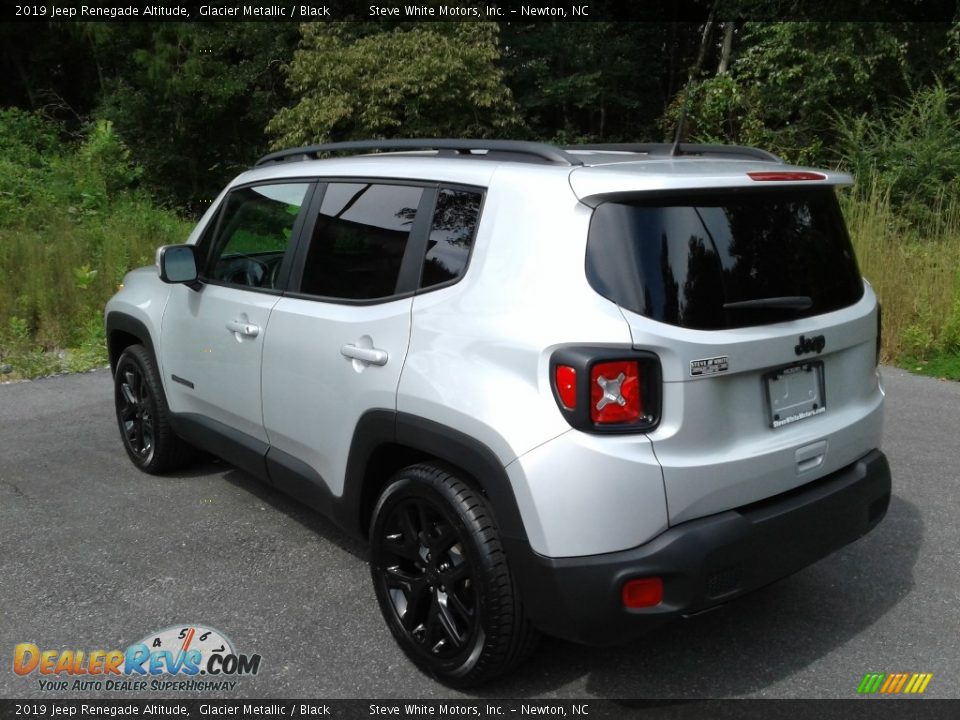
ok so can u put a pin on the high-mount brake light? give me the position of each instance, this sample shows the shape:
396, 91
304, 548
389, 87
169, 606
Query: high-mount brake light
785, 175
565, 378
615, 395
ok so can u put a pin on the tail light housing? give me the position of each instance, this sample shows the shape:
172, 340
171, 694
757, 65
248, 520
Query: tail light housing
607, 390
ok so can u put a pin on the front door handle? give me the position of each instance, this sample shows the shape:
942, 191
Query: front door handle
247, 329
374, 356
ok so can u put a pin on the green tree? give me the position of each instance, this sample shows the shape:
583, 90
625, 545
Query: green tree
787, 80
593, 81
951, 54
46, 66
434, 79
191, 100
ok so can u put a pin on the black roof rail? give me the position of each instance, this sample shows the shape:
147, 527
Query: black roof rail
493, 149
739, 152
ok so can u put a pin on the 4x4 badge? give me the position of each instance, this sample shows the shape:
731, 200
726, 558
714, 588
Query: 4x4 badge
809, 345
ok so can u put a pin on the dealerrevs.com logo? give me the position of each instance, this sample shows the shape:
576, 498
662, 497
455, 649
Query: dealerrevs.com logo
182, 657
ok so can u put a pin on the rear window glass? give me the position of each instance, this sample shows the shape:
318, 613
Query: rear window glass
724, 260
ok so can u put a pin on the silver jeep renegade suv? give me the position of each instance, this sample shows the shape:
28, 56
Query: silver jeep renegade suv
579, 391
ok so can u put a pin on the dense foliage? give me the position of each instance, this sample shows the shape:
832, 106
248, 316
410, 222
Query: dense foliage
71, 226
787, 81
441, 80
107, 121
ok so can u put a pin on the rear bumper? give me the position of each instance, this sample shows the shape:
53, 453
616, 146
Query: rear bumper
704, 562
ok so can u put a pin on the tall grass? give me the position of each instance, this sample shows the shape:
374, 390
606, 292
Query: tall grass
905, 222
70, 229
72, 224
914, 267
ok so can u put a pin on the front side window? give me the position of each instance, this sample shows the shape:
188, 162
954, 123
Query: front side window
359, 240
254, 234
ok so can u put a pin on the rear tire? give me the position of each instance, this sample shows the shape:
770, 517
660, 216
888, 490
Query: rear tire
143, 416
442, 580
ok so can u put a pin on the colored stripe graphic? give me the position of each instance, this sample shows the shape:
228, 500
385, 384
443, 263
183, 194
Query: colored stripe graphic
900, 681
894, 683
889, 683
927, 677
870, 683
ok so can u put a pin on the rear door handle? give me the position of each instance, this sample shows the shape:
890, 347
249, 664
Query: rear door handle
247, 329
374, 356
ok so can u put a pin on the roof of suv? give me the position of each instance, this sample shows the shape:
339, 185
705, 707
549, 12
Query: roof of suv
595, 171
522, 151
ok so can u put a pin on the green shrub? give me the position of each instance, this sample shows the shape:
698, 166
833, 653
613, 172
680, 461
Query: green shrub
72, 224
917, 341
26, 138
914, 151
950, 335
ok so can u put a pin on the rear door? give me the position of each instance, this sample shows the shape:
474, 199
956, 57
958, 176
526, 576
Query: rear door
338, 338
766, 332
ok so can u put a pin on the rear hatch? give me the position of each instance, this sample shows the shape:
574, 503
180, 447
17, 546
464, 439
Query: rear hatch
751, 296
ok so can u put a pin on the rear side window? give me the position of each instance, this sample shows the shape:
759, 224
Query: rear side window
359, 240
451, 236
724, 260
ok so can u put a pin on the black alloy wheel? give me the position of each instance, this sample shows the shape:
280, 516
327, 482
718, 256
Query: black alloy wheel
442, 581
143, 416
427, 578
135, 413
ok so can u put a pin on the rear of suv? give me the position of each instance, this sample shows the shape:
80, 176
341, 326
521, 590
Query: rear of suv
578, 391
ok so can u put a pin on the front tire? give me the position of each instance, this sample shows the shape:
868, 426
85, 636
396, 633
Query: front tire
143, 416
442, 580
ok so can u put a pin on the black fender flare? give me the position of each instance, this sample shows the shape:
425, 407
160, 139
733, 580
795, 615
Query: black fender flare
428, 438
121, 322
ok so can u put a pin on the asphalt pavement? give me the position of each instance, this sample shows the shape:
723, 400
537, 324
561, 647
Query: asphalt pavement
95, 555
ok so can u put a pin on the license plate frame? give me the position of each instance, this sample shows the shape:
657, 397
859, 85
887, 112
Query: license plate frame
795, 392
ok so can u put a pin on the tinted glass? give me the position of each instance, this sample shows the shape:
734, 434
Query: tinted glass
451, 236
359, 240
254, 234
681, 260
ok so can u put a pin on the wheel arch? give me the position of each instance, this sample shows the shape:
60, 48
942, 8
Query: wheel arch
124, 331
386, 441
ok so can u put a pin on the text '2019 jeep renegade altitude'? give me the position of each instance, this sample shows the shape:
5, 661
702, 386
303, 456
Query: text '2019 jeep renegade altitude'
579, 391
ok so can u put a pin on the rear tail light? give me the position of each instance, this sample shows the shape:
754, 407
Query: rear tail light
642, 593
615, 392
604, 390
565, 382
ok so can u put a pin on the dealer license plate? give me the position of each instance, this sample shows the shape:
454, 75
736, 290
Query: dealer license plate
795, 393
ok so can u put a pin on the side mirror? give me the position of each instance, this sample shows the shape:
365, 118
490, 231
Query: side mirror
177, 264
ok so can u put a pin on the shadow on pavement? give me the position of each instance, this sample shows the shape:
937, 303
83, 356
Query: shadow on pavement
739, 649
754, 642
